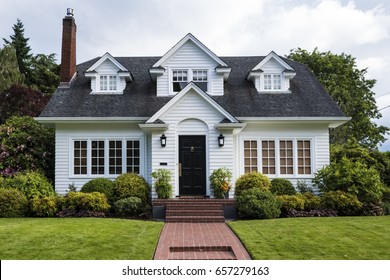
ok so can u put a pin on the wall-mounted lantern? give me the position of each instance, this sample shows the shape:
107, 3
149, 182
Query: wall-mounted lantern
163, 140
221, 140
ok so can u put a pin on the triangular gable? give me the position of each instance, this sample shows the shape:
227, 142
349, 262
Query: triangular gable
189, 37
273, 55
105, 57
202, 94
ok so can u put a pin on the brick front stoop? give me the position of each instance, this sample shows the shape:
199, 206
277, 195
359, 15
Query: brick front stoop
195, 230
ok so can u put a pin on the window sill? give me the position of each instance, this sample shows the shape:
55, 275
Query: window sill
274, 92
106, 92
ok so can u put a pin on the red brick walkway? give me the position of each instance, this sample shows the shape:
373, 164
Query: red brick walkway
199, 241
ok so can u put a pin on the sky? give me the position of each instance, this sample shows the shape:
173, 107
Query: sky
360, 28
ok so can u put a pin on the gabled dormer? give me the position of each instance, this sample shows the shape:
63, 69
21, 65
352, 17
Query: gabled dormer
189, 61
272, 75
108, 76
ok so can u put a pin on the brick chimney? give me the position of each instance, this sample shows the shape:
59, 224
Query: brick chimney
68, 53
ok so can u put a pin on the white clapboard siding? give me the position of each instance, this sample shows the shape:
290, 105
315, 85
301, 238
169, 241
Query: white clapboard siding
66, 132
107, 67
189, 56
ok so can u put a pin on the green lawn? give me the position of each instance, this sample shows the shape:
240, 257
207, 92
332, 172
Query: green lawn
340, 238
78, 239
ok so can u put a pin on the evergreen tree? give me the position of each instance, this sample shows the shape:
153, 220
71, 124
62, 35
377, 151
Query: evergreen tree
20, 44
45, 73
9, 70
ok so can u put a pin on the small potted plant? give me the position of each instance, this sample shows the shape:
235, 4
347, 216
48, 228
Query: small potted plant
220, 182
163, 182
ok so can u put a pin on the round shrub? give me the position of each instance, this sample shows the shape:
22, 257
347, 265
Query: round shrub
13, 203
78, 201
101, 185
250, 181
131, 184
345, 203
32, 184
280, 186
258, 204
288, 202
129, 207
44, 206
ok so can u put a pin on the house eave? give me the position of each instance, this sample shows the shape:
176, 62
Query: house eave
59, 120
332, 122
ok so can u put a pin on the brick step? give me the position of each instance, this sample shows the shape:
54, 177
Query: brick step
196, 212
199, 219
194, 207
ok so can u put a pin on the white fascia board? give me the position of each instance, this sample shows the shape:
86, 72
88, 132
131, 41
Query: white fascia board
183, 92
189, 37
331, 121
104, 58
54, 120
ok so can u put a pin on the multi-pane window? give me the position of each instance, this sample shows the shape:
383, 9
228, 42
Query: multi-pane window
133, 156
268, 157
200, 79
106, 157
115, 157
97, 163
250, 156
80, 157
272, 82
179, 79
108, 83
286, 157
304, 157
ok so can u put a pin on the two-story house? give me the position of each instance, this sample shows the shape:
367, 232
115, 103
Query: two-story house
189, 111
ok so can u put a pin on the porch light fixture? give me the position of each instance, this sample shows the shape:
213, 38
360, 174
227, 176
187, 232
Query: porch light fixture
163, 140
221, 140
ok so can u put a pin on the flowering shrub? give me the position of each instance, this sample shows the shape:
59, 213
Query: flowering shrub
220, 182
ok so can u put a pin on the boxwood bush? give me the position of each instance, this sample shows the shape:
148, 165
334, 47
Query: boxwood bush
44, 206
258, 204
101, 185
129, 207
131, 184
346, 204
280, 186
252, 180
13, 203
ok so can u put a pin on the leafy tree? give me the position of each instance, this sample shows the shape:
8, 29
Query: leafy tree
20, 43
9, 70
351, 90
21, 101
45, 73
26, 145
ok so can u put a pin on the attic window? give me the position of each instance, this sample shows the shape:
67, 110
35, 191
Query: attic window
200, 79
108, 83
272, 82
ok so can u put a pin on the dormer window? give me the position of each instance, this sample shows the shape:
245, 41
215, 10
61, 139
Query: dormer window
272, 82
108, 83
180, 78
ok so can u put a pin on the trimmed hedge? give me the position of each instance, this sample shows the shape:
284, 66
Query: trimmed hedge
44, 206
346, 204
258, 204
78, 201
13, 203
280, 186
250, 181
131, 185
288, 202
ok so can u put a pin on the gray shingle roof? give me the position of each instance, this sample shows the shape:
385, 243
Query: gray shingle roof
241, 99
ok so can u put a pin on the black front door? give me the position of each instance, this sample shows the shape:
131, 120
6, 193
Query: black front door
192, 165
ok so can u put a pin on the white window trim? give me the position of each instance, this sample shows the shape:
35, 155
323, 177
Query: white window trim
106, 174
277, 140
189, 77
108, 91
282, 89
